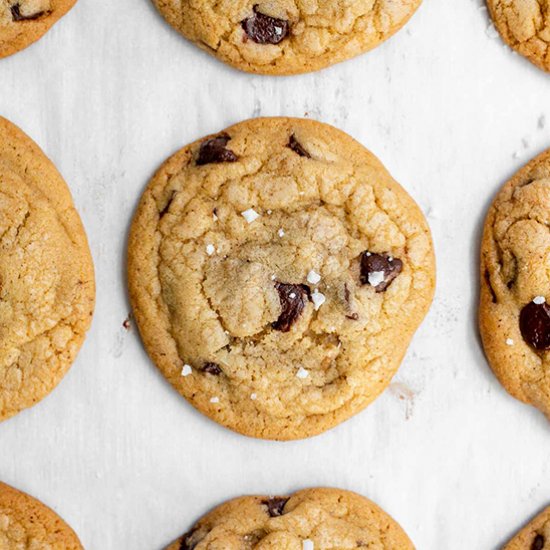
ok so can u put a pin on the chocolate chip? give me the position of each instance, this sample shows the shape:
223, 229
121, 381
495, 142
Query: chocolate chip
212, 368
538, 543
293, 301
275, 505
167, 206
352, 315
16, 14
379, 270
491, 289
534, 323
189, 540
296, 146
214, 150
264, 29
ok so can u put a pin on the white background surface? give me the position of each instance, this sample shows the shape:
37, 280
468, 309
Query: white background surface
109, 94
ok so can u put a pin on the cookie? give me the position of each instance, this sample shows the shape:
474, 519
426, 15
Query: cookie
46, 274
23, 22
536, 536
515, 284
525, 26
27, 524
286, 37
277, 274
313, 519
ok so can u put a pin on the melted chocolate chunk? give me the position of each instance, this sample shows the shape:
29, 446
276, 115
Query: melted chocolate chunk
379, 270
293, 301
189, 540
264, 29
214, 151
534, 323
212, 368
538, 543
296, 146
167, 207
275, 506
352, 315
491, 289
16, 14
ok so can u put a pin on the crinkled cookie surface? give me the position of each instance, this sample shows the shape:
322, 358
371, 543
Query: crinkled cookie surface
46, 274
27, 524
535, 536
286, 36
525, 26
313, 519
23, 22
515, 283
277, 274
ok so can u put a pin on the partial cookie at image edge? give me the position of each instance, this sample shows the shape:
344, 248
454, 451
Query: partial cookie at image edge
304, 519
30, 174
513, 288
23, 31
26, 521
272, 32
534, 536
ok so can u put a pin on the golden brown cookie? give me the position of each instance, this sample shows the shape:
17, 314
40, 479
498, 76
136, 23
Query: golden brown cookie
283, 36
525, 26
46, 274
535, 536
313, 519
277, 274
515, 284
23, 22
27, 524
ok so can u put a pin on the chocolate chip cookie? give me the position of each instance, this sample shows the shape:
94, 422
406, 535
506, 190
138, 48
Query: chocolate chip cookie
27, 524
286, 37
277, 274
515, 284
536, 536
46, 274
313, 519
23, 22
525, 26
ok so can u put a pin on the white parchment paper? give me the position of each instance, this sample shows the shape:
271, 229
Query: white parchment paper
109, 93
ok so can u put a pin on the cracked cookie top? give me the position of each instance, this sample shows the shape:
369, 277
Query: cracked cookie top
46, 274
515, 283
286, 36
312, 519
535, 536
27, 524
22, 22
277, 273
525, 26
